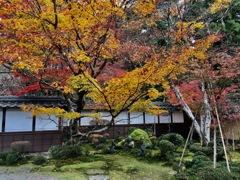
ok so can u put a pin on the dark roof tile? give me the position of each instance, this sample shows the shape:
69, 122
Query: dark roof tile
17, 101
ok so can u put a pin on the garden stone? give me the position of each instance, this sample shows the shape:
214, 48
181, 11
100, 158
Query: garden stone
95, 171
99, 177
3, 170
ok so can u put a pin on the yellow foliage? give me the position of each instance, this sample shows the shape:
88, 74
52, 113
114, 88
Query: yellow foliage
80, 36
144, 7
218, 5
51, 111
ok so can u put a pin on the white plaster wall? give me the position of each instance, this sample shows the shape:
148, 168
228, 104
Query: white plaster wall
165, 118
136, 118
106, 115
122, 118
85, 121
149, 119
178, 117
17, 120
45, 123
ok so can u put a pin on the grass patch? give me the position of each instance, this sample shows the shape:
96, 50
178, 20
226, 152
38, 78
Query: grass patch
117, 166
84, 166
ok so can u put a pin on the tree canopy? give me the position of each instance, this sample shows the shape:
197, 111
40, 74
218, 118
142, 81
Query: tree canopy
113, 52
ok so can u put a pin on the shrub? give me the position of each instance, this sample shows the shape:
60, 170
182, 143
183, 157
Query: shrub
196, 163
209, 173
198, 148
140, 137
2, 162
39, 160
65, 151
199, 153
167, 149
12, 158
20, 146
153, 154
199, 159
3, 155
174, 138
103, 139
207, 150
53, 151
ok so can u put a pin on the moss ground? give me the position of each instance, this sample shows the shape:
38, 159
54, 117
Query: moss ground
118, 166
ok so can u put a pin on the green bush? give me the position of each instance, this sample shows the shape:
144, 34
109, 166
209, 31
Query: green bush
140, 137
209, 173
167, 149
174, 138
20, 146
196, 163
196, 147
65, 151
103, 139
199, 159
39, 160
3, 155
12, 158
207, 150
2, 162
153, 154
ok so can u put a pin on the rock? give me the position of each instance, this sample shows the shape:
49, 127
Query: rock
99, 177
95, 172
141, 135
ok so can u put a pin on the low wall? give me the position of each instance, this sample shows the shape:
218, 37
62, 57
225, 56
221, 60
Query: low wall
40, 140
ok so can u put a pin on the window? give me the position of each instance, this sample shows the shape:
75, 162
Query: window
17, 120
45, 123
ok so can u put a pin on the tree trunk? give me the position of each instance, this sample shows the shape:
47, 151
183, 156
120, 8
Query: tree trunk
188, 111
205, 115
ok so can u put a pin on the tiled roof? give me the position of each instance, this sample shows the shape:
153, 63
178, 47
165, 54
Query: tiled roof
17, 101
54, 101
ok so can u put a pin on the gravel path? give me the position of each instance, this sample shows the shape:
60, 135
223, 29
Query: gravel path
22, 174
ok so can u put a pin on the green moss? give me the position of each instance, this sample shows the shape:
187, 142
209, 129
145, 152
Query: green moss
118, 166
84, 166
235, 156
139, 136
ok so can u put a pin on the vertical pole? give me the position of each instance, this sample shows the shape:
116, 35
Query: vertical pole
34, 123
3, 119
214, 144
221, 133
185, 146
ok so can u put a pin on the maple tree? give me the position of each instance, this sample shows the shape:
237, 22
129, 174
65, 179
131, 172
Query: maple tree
114, 53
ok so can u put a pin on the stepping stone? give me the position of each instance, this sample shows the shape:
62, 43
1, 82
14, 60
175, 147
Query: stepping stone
3, 170
95, 172
99, 177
